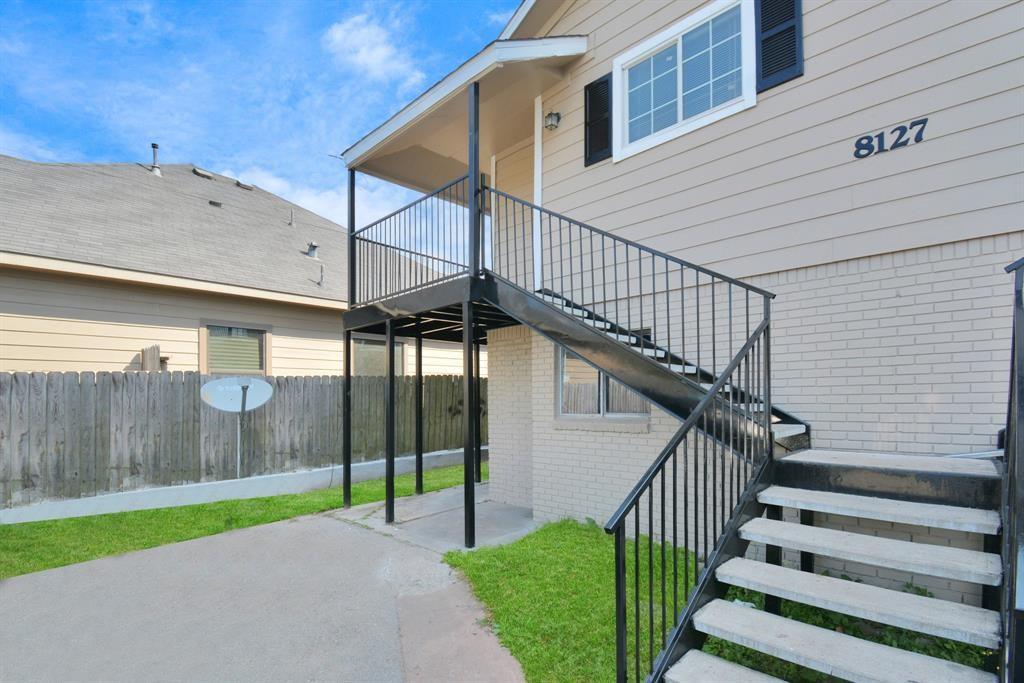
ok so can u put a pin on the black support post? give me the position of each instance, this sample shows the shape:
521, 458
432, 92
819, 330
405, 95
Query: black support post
419, 409
352, 294
389, 426
346, 421
473, 92
469, 438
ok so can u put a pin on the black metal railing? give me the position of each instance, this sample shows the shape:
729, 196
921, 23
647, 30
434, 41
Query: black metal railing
1012, 604
418, 245
674, 306
670, 528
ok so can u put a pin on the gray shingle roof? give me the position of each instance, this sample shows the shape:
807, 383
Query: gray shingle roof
124, 216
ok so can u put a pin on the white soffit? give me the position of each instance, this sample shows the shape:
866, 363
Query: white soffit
545, 56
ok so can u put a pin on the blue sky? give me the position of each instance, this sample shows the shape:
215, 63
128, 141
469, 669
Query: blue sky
264, 91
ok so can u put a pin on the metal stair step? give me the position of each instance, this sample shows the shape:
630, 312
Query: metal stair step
917, 558
700, 667
884, 509
935, 617
892, 461
832, 653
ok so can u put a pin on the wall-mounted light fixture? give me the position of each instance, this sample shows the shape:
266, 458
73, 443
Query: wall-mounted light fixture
552, 119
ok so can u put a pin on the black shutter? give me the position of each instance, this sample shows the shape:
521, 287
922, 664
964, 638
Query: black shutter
597, 120
780, 42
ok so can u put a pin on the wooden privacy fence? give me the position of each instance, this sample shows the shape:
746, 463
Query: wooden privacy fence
69, 434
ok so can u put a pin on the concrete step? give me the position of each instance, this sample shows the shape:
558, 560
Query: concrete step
917, 558
831, 653
700, 667
781, 430
893, 461
884, 509
935, 617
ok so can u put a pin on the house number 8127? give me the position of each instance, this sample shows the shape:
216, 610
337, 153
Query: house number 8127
901, 137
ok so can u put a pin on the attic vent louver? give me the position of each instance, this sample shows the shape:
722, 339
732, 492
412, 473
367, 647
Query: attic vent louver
243, 185
201, 173
311, 249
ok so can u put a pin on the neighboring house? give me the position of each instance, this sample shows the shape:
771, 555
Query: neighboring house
860, 161
101, 261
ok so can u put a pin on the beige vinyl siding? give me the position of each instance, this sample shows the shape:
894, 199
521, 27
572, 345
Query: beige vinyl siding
513, 255
776, 187
50, 322
440, 358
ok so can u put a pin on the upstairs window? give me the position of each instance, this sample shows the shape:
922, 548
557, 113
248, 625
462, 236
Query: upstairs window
696, 72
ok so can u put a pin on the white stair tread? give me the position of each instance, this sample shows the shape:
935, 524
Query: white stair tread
689, 369
781, 430
941, 618
917, 558
884, 509
894, 461
700, 667
834, 654
657, 353
619, 336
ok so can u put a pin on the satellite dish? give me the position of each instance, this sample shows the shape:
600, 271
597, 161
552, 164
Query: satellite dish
236, 395
227, 393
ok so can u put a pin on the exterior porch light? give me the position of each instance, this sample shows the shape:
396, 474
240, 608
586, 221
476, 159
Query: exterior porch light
552, 119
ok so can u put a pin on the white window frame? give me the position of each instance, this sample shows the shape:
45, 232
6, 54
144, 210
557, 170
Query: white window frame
621, 149
602, 396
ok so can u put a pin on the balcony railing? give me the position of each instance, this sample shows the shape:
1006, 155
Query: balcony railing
419, 245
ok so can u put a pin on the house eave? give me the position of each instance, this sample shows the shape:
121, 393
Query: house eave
494, 56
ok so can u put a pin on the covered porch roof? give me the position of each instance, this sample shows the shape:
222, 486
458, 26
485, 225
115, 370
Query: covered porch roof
424, 145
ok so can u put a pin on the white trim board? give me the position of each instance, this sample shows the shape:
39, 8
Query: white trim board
213, 491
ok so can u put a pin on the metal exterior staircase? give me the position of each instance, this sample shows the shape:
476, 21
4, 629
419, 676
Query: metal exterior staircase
697, 344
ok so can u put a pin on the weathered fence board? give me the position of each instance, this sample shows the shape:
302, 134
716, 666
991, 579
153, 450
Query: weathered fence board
69, 435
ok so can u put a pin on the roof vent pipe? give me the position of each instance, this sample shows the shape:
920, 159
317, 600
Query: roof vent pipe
311, 249
155, 168
291, 217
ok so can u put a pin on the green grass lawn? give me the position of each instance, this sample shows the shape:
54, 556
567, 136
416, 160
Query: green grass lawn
35, 546
551, 601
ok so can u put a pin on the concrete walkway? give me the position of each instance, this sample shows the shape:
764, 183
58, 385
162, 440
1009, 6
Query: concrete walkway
324, 597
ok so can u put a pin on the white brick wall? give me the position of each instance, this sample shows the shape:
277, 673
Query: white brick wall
903, 352
510, 416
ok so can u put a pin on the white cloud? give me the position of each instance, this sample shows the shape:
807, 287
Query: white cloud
374, 198
28, 147
367, 45
499, 18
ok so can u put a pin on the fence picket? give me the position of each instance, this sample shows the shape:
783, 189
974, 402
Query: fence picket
68, 435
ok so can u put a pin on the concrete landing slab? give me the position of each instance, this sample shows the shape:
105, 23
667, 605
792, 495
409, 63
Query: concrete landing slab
435, 521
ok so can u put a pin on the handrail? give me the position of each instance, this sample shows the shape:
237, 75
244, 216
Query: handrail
648, 477
411, 204
636, 245
410, 252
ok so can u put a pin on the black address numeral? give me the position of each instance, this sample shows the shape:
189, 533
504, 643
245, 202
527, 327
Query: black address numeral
875, 144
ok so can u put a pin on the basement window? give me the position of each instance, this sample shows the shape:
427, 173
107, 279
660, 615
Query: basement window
586, 392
